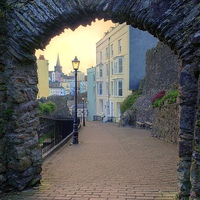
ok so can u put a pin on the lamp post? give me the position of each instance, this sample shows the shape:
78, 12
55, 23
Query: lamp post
75, 64
83, 112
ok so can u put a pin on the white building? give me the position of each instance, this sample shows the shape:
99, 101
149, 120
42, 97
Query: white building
120, 66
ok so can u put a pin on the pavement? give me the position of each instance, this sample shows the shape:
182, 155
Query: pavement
109, 163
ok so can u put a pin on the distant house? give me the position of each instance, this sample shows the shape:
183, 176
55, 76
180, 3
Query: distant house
91, 92
79, 110
43, 77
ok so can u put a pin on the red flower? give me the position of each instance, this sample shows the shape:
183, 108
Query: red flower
158, 96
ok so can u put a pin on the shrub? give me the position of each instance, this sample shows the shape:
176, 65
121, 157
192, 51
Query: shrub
46, 108
169, 98
129, 101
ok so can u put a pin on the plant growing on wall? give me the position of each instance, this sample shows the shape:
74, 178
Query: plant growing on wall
47, 108
158, 96
129, 101
169, 98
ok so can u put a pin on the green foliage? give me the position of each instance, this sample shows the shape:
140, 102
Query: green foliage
169, 98
47, 108
49, 135
129, 101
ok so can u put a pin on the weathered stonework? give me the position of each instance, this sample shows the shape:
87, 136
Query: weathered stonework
162, 68
166, 123
30, 25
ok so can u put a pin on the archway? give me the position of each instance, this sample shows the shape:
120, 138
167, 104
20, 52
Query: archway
30, 25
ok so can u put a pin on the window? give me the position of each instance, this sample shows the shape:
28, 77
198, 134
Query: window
112, 92
119, 46
101, 56
100, 88
115, 67
111, 50
106, 69
118, 65
117, 87
107, 53
112, 68
106, 88
120, 89
100, 71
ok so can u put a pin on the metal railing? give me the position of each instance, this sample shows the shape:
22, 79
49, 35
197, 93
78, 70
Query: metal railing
53, 131
109, 119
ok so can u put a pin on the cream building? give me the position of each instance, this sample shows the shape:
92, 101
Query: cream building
43, 77
120, 66
80, 75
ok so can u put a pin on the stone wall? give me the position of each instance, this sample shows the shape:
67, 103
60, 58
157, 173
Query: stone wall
166, 123
62, 110
161, 74
31, 24
4, 115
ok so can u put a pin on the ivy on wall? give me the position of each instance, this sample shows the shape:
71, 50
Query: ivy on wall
129, 101
169, 98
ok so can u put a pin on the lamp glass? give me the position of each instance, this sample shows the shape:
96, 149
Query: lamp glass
75, 63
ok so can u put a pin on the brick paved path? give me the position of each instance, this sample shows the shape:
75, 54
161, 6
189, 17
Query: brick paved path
110, 163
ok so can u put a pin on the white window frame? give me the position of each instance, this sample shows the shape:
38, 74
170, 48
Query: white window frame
106, 88
118, 65
119, 46
116, 88
106, 69
112, 68
111, 50
100, 88
101, 71
101, 56
106, 52
112, 87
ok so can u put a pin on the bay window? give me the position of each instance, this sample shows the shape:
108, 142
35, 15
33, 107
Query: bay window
100, 88
117, 87
118, 65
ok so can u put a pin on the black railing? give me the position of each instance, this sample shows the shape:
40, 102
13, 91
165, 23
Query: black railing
53, 131
97, 118
101, 118
111, 119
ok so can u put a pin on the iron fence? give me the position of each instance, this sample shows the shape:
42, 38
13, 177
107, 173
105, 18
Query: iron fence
97, 118
53, 131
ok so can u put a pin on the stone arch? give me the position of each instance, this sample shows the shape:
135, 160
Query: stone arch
29, 25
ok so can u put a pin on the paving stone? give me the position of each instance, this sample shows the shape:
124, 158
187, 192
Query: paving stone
110, 162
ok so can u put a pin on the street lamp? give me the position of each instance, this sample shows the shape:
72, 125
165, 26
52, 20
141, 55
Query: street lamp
83, 112
75, 64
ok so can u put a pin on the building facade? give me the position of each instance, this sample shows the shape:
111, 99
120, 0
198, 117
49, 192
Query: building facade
43, 77
91, 92
81, 82
120, 66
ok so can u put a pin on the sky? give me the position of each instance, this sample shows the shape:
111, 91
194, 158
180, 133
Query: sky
80, 43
